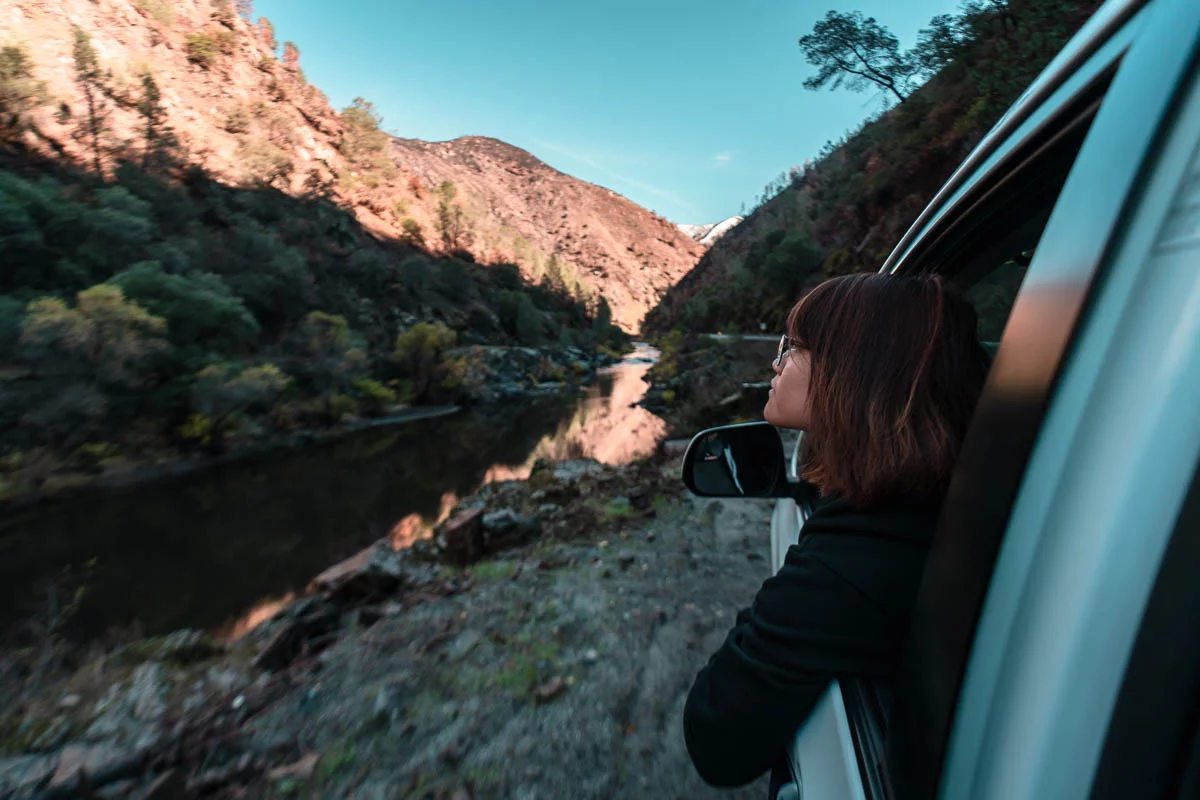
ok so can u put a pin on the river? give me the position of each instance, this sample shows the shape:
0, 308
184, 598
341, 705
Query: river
221, 549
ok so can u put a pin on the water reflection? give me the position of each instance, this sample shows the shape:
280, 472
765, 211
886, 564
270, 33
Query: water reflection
606, 425
201, 550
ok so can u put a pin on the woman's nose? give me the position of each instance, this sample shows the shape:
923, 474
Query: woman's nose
777, 366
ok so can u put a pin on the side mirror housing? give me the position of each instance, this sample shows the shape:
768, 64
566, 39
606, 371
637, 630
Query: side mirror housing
743, 460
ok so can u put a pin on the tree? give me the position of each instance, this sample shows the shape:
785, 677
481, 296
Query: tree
20, 93
245, 8
363, 143
291, 56
938, 44
334, 357
419, 353
856, 52
450, 218
220, 391
412, 232
105, 337
266, 33
160, 139
198, 307
90, 80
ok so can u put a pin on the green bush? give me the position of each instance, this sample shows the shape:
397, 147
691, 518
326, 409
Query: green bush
20, 92
375, 397
199, 308
201, 49
342, 406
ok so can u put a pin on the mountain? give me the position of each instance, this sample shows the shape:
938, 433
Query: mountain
240, 107
706, 235
520, 209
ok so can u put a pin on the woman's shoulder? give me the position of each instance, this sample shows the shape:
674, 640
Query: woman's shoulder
901, 521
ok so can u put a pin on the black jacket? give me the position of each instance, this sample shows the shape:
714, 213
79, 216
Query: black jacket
838, 608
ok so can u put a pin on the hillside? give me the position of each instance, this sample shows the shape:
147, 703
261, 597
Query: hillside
238, 105
202, 259
523, 210
844, 211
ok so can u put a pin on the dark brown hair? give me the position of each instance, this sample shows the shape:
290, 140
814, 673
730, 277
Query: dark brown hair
896, 371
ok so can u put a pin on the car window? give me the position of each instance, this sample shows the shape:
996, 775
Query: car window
985, 252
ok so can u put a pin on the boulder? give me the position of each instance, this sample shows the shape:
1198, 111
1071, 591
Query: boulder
505, 528
462, 537
370, 575
300, 635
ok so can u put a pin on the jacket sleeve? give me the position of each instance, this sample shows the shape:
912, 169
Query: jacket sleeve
806, 626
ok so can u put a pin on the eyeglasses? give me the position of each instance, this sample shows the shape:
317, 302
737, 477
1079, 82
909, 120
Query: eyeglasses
784, 349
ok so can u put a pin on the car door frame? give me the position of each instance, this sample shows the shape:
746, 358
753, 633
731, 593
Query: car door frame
1097, 48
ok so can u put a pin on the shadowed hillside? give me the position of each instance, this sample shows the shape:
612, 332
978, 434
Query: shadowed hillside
846, 209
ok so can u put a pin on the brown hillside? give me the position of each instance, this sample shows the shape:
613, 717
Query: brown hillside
525, 208
247, 115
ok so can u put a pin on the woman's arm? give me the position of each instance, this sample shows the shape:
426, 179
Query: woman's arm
808, 624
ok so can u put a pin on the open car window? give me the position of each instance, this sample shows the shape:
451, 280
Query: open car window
985, 251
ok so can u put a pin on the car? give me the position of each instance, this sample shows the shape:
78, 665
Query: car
1053, 649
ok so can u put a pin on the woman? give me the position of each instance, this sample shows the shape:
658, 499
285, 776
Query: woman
882, 372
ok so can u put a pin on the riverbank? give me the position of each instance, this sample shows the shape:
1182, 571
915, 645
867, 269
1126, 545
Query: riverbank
539, 645
702, 381
487, 375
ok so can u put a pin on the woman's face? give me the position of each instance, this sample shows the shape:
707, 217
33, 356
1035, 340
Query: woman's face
788, 403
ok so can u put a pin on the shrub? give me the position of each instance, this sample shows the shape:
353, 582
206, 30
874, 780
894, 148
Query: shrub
265, 163
238, 120
341, 406
375, 397
19, 92
158, 10
413, 235
419, 351
201, 49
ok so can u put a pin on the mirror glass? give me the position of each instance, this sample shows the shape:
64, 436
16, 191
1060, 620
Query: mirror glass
736, 461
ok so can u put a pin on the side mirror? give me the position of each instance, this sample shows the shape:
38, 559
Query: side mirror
744, 460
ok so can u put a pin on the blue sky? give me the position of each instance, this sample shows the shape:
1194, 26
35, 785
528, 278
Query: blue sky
687, 108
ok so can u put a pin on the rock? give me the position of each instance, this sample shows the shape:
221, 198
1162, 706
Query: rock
147, 694
22, 776
504, 529
94, 764
590, 656
625, 560
298, 637
69, 701
371, 574
128, 715
462, 537
549, 690
300, 770
639, 498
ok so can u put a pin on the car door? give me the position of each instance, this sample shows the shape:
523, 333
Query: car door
981, 231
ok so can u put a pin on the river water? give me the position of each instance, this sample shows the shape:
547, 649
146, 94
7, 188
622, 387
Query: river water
223, 548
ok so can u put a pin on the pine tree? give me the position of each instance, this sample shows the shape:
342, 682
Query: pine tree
89, 78
159, 137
